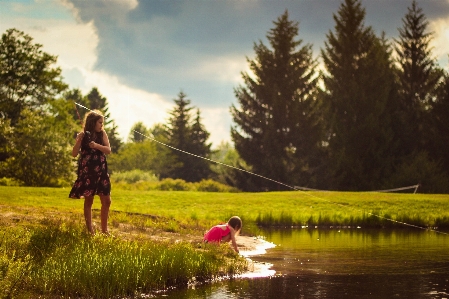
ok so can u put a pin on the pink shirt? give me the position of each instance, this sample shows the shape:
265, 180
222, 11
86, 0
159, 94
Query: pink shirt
216, 233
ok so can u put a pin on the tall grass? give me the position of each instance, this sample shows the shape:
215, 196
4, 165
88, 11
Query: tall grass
59, 259
375, 219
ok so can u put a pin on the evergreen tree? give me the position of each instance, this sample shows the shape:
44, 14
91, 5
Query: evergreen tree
76, 97
439, 133
201, 168
359, 94
418, 79
138, 132
187, 137
97, 101
275, 132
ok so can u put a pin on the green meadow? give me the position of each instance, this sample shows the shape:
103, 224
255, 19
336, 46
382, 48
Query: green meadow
156, 235
182, 211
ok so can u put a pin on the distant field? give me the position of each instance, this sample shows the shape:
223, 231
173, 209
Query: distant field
267, 208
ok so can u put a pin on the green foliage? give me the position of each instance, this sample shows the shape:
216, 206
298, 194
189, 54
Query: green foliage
74, 97
134, 176
57, 259
170, 184
97, 101
277, 132
29, 81
10, 182
37, 148
228, 174
418, 79
213, 186
187, 136
138, 132
420, 169
359, 96
136, 155
28, 78
145, 181
13, 274
439, 133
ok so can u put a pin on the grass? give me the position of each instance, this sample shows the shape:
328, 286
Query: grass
156, 243
57, 258
194, 212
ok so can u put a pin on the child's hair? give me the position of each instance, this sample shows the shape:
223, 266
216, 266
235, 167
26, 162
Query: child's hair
90, 120
235, 222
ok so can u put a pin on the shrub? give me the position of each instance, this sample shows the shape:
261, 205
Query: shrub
174, 185
10, 182
133, 176
213, 186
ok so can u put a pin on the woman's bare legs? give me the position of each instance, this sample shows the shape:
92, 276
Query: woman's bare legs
105, 204
88, 201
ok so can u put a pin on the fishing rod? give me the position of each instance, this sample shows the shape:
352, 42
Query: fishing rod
292, 187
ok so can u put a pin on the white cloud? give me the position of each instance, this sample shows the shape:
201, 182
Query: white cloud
440, 43
127, 105
225, 69
217, 121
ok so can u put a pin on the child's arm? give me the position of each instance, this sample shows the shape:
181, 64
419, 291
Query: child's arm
234, 243
106, 148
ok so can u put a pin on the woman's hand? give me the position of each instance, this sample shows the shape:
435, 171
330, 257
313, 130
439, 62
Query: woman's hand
79, 137
93, 145
77, 146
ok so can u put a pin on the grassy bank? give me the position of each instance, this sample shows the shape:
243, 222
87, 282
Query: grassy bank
193, 212
58, 259
156, 241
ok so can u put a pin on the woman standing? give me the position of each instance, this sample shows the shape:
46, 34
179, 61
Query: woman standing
93, 179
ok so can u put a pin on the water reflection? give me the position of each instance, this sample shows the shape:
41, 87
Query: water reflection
349, 263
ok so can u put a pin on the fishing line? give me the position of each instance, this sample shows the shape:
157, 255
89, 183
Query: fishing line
289, 186
77, 113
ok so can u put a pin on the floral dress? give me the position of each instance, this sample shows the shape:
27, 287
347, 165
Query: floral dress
93, 177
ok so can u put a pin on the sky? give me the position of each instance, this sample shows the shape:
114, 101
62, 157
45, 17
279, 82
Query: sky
141, 54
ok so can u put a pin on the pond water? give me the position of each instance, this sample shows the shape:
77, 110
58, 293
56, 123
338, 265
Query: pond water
345, 263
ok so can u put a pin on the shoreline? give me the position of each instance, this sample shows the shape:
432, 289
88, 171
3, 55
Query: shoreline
254, 246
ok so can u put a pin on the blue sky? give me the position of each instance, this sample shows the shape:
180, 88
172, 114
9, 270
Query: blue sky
142, 53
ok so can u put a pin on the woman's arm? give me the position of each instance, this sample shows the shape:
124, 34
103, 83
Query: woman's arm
77, 146
106, 148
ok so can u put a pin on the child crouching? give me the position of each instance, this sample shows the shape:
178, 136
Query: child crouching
225, 232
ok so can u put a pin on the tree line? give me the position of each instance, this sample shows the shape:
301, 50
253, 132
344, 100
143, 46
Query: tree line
375, 117
367, 114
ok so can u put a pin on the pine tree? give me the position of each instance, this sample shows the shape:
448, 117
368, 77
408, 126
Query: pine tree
274, 122
201, 168
76, 97
359, 94
418, 78
187, 137
439, 133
